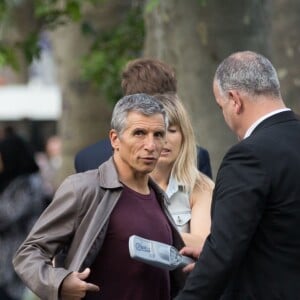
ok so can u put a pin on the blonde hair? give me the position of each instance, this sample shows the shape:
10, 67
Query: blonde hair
185, 166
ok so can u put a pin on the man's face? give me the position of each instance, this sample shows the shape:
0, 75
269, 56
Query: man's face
138, 147
225, 104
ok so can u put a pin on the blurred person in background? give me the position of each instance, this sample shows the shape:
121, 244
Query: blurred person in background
49, 163
21, 202
2, 133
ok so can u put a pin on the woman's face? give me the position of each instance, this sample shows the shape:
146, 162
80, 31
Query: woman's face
172, 146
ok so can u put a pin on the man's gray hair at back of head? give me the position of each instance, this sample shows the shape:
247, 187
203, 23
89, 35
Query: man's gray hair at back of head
142, 103
249, 72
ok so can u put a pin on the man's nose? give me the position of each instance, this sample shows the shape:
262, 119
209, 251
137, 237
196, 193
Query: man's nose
150, 143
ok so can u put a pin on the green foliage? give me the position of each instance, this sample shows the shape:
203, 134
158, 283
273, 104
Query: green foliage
2, 9
8, 57
31, 47
73, 10
50, 13
110, 49
110, 52
151, 4
202, 2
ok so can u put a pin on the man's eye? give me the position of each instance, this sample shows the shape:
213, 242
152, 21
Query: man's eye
160, 134
138, 132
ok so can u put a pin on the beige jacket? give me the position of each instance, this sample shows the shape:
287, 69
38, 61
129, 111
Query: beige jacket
73, 227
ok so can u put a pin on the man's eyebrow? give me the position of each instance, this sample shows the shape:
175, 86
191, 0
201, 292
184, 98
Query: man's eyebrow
138, 129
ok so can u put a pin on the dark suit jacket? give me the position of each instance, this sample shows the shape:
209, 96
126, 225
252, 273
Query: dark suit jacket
253, 251
92, 156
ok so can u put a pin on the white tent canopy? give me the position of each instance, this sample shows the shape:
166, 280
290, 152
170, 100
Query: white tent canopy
37, 102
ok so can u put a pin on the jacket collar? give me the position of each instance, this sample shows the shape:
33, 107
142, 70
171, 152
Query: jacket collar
275, 119
108, 175
109, 179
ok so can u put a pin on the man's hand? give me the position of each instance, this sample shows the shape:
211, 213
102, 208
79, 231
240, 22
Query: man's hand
74, 286
193, 253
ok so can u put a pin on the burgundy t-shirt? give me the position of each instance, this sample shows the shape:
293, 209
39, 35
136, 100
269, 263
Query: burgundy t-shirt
118, 275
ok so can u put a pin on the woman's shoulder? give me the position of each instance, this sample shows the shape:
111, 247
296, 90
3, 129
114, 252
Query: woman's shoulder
202, 190
203, 182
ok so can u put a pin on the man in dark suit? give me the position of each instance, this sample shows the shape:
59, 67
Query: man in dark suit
143, 75
253, 251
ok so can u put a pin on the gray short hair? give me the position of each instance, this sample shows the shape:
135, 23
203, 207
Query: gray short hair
142, 103
249, 72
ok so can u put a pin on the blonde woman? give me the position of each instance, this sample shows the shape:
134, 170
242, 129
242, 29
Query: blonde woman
189, 191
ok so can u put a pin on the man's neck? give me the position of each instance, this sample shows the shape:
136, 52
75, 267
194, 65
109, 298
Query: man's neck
142, 189
257, 110
137, 181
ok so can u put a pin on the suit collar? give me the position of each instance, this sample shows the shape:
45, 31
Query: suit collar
261, 119
275, 119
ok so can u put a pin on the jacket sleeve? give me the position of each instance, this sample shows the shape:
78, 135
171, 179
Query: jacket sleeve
203, 161
237, 208
53, 230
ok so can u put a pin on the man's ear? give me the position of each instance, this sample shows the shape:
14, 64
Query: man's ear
236, 100
114, 139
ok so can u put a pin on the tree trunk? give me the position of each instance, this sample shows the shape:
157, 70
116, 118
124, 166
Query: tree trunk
286, 49
194, 38
86, 113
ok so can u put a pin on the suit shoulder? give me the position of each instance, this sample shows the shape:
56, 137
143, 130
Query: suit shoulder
94, 147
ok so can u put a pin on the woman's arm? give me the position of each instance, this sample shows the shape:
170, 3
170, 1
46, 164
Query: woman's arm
200, 216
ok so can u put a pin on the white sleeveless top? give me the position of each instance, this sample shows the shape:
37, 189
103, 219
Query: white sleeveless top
178, 205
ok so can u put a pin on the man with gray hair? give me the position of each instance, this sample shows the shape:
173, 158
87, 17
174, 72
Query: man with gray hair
93, 214
253, 251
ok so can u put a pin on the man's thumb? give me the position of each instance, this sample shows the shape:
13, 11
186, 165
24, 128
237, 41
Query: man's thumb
84, 274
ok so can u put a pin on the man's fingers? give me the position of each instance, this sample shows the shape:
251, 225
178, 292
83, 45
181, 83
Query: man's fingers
191, 252
185, 250
92, 287
85, 274
189, 268
74, 286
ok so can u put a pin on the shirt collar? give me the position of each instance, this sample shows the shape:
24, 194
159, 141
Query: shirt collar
256, 123
172, 187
